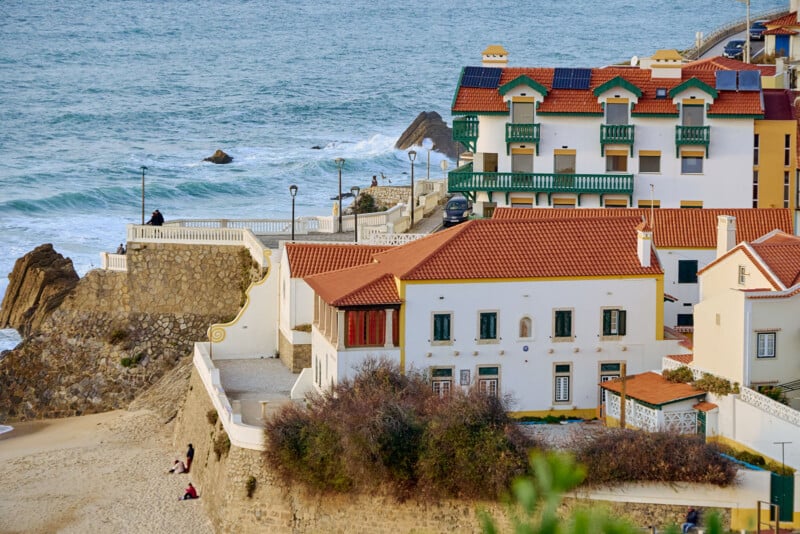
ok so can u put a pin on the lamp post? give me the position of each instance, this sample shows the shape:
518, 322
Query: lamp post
293, 191
339, 164
143, 169
355, 190
444, 166
427, 144
746, 55
412, 155
782, 444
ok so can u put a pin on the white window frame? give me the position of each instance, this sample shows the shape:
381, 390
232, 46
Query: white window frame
489, 384
766, 344
560, 379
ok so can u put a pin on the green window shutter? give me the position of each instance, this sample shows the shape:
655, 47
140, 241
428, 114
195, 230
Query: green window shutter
441, 327
488, 326
563, 323
606, 322
622, 322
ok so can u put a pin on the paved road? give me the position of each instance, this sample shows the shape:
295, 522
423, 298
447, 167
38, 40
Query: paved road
755, 46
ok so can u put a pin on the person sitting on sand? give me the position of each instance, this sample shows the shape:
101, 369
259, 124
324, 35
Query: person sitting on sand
191, 493
178, 467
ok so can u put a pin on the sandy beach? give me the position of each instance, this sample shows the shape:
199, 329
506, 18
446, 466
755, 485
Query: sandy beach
97, 473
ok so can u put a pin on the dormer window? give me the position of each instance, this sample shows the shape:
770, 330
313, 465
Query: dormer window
617, 113
661, 92
693, 114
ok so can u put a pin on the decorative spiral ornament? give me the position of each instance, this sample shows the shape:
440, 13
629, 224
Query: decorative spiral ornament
216, 334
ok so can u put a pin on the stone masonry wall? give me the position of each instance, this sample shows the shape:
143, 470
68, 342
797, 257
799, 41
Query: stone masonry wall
278, 508
294, 357
116, 333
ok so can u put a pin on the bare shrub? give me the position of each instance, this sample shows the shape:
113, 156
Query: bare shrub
637, 456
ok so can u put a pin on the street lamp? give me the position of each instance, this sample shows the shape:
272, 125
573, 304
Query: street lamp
339, 164
143, 169
412, 155
427, 144
293, 191
355, 190
444, 166
746, 32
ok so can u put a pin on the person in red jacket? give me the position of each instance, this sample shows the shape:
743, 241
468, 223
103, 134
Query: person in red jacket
191, 493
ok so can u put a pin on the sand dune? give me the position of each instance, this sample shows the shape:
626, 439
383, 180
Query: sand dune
97, 473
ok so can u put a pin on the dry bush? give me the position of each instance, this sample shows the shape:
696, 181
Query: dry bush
637, 456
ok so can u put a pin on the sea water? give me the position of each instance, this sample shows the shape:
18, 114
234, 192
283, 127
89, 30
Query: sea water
92, 91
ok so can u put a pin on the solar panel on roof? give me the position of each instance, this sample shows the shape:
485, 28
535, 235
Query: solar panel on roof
483, 77
562, 78
749, 80
726, 80
581, 78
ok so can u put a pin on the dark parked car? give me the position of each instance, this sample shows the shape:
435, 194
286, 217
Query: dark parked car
457, 210
757, 30
734, 49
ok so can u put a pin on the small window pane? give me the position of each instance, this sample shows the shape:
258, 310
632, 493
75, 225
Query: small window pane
766, 345
488, 325
616, 164
693, 115
616, 113
691, 165
649, 163
441, 327
687, 271
563, 326
565, 164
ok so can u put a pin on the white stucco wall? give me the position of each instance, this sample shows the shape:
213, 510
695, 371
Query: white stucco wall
778, 315
339, 365
719, 335
527, 365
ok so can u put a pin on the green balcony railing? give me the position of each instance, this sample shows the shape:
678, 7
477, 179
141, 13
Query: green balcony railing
465, 131
616, 134
522, 133
463, 180
692, 135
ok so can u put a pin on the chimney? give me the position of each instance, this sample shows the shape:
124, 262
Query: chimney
644, 243
726, 234
495, 56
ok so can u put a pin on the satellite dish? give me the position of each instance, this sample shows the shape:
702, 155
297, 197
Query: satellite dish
634, 61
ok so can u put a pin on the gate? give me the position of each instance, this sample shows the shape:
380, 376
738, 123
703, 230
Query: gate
782, 494
701, 423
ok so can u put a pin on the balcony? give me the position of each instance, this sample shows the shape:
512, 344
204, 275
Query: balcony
522, 133
692, 135
463, 180
616, 134
465, 131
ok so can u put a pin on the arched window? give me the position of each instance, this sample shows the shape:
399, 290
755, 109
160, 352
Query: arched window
525, 327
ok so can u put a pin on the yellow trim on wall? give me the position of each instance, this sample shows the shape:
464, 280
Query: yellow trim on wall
528, 151
563, 202
577, 413
649, 152
531, 279
660, 307
648, 203
616, 152
616, 202
692, 154
529, 99
691, 203
692, 102
617, 100
401, 316
564, 152
521, 200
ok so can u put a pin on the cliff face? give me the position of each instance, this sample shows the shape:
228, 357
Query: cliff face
429, 124
37, 285
95, 346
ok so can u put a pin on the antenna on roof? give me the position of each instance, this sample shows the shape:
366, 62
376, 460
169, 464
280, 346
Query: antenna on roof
634, 61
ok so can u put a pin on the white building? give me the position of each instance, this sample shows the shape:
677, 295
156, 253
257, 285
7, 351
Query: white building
541, 310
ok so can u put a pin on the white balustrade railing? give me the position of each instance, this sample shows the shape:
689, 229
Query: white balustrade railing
383, 239
772, 407
113, 262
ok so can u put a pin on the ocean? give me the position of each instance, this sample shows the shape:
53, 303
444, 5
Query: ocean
92, 91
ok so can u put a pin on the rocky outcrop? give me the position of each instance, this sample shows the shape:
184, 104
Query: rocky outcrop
219, 157
429, 124
37, 285
115, 334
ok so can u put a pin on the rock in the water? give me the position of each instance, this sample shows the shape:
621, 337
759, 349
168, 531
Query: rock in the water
219, 157
429, 124
38, 283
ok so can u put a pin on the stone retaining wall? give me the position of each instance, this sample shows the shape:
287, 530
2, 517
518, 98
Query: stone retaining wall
294, 357
278, 508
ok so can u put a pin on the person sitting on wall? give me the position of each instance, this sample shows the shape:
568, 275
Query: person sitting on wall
156, 219
191, 493
692, 519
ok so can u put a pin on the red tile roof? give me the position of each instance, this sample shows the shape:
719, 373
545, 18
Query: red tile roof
495, 249
780, 31
471, 100
675, 227
653, 388
704, 406
306, 259
781, 253
685, 359
789, 19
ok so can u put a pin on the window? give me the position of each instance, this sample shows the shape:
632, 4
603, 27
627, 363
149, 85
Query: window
649, 163
786, 189
742, 275
442, 380
766, 344
561, 387
614, 322
525, 327
522, 162
685, 319
608, 372
693, 114
687, 271
489, 380
488, 326
755, 189
564, 164
522, 112
649, 204
787, 150
441, 327
691, 204
562, 325
563, 202
616, 113
366, 328
691, 165
616, 163
755, 149
615, 203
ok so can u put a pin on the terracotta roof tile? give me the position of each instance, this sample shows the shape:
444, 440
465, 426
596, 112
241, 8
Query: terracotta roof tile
705, 406
789, 19
781, 253
780, 31
306, 259
653, 388
495, 249
675, 227
720, 63
685, 359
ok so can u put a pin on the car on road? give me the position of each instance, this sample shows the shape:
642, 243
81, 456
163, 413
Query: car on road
457, 210
734, 49
757, 30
